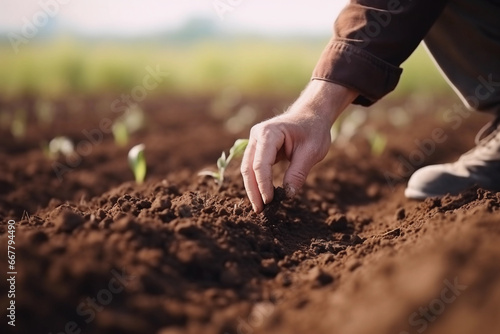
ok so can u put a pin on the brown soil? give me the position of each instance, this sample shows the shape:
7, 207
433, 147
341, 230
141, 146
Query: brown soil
97, 253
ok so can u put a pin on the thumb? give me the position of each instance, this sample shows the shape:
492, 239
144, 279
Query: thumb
296, 174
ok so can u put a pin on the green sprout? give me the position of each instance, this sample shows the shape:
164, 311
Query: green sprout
236, 151
58, 146
131, 121
45, 112
378, 142
120, 133
244, 117
18, 125
399, 117
137, 162
347, 126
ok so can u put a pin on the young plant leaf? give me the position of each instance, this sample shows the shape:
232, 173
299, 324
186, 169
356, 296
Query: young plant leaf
137, 162
45, 112
378, 142
133, 118
222, 161
347, 126
131, 121
18, 125
214, 175
120, 133
238, 149
60, 146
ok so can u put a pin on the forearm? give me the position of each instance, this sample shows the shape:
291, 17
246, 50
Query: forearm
325, 100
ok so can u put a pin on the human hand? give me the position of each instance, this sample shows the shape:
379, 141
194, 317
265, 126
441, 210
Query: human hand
301, 135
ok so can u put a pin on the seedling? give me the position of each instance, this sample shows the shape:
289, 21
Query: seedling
131, 121
222, 106
236, 151
241, 119
399, 117
346, 127
45, 112
58, 146
120, 133
18, 126
137, 162
378, 142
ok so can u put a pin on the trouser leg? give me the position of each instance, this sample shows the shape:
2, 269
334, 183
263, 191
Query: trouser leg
465, 43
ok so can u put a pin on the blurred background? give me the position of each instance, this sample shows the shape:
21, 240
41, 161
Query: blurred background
51, 48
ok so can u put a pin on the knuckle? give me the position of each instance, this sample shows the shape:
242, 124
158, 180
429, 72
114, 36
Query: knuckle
262, 170
257, 129
298, 176
268, 130
253, 131
258, 166
245, 170
264, 130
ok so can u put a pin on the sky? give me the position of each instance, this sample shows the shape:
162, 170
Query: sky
135, 17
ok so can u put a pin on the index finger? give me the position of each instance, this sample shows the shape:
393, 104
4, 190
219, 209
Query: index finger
266, 152
249, 179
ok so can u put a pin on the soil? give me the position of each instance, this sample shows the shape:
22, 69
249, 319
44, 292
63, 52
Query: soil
97, 253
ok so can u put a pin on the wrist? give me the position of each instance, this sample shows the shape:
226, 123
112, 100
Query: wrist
325, 100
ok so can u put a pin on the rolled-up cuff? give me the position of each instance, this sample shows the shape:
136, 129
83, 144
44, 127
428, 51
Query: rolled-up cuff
354, 68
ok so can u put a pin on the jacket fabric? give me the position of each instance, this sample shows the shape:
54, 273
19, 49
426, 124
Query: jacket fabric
371, 39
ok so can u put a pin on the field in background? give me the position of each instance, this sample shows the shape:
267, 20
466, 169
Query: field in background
252, 66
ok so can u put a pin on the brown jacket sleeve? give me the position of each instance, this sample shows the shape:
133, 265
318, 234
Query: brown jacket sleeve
371, 39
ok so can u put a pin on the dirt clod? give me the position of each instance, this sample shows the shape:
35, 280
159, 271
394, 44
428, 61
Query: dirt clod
269, 267
67, 221
338, 222
319, 277
271, 209
400, 214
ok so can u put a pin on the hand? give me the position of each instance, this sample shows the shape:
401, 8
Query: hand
301, 135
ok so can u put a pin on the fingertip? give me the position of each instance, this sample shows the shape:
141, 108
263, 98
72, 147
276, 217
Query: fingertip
290, 190
267, 198
256, 202
254, 208
257, 208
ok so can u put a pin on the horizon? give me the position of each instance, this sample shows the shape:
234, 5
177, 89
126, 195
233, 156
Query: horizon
137, 18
